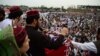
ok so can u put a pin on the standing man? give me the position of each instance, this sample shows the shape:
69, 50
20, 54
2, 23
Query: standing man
38, 42
13, 17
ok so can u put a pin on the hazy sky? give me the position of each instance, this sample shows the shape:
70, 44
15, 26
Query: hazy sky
50, 3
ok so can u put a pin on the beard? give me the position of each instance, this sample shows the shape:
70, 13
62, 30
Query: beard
37, 26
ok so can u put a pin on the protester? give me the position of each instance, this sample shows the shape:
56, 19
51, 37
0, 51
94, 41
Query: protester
38, 42
8, 46
13, 17
22, 40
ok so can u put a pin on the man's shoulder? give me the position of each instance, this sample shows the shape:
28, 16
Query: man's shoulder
7, 21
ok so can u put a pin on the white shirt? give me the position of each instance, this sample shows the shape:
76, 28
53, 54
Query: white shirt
70, 24
85, 46
5, 23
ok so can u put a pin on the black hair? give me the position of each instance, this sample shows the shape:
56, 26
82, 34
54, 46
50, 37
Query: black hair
30, 19
64, 25
2, 12
98, 31
16, 14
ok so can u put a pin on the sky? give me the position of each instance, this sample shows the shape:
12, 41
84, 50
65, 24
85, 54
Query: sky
50, 3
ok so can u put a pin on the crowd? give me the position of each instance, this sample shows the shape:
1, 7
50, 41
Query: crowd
33, 33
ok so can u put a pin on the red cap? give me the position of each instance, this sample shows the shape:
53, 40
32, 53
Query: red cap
14, 9
20, 35
32, 13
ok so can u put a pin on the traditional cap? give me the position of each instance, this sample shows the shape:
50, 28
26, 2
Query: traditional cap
32, 13
15, 12
15, 9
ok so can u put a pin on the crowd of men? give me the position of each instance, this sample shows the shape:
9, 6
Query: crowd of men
82, 28
35, 32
